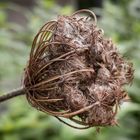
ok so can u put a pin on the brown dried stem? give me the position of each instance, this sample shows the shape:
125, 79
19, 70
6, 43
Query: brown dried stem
12, 94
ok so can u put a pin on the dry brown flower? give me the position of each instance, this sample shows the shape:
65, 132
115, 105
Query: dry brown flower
75, 73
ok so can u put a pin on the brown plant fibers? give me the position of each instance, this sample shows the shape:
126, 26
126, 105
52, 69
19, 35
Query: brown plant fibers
75, 73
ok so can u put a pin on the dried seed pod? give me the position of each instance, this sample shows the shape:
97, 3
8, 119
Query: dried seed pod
75, 73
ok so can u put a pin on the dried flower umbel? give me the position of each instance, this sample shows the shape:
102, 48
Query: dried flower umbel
75, 73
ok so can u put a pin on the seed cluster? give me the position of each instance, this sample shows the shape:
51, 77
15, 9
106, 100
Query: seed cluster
75, 73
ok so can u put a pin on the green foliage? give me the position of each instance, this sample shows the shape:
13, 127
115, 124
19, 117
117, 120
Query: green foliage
18, 121
21, 123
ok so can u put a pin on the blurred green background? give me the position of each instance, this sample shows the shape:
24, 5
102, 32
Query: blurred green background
19, 22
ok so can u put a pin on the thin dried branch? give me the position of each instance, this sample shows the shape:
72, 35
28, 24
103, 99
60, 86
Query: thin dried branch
12, 94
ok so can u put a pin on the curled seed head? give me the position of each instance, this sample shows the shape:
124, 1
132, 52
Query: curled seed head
75, 73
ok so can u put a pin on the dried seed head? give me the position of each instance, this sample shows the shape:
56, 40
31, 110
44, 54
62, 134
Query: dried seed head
75, 73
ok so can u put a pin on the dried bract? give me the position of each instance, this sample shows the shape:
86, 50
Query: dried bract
75, 73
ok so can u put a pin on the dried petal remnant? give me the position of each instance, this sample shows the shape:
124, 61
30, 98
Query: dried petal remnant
75, 73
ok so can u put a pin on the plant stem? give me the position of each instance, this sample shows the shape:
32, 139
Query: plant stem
12, 94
